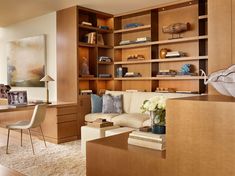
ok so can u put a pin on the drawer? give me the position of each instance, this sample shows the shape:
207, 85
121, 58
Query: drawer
67, 118
67, 110
67, 129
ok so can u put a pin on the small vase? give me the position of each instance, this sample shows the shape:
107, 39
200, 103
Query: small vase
159, 129
156, 128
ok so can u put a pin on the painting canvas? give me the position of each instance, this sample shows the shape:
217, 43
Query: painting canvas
26, 61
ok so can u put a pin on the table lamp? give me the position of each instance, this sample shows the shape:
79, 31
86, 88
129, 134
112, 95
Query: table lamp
47, 79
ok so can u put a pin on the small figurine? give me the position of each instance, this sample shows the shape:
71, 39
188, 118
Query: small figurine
176, 28
84, 67
186, 69
4, 89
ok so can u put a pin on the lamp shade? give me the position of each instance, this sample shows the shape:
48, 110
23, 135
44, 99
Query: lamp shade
47, 78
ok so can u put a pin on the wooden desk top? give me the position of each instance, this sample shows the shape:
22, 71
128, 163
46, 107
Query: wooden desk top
6, 108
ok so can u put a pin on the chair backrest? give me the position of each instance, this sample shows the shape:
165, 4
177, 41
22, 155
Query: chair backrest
39, 114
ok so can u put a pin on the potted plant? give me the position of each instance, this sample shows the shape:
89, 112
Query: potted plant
157, 108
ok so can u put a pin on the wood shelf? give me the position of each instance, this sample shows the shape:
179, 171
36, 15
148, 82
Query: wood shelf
105, 46
104, 79
105, 63
162, 60
133, 79
187, 39
145, 27
92, 28
202, 17
83, 44
178, 78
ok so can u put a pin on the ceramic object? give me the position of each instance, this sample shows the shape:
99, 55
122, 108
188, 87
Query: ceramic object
163, 53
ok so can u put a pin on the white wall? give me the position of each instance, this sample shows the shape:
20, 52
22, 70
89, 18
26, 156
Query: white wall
45, 24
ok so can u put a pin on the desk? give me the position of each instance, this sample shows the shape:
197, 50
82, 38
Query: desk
60, 125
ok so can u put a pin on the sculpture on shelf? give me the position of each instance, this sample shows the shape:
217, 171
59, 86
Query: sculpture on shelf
163, 53
84, 71
4, 89
223, 80
176, 28
186, 69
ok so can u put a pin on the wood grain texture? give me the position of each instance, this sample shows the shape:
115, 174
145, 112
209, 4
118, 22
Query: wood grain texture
220, 34
199, 137
60, 124
67, 73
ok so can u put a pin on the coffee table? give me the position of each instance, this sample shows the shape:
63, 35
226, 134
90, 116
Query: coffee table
113, 156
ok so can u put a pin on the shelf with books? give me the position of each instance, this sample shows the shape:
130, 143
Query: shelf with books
144, 27
83, 44
186, 39
132, 78
177, 78
92, 28
178, 59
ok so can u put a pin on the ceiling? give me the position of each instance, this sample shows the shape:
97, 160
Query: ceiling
13, 11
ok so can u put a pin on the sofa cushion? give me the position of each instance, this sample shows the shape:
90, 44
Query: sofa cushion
133, 120
96, 103
92, 117
126, 99
112, 104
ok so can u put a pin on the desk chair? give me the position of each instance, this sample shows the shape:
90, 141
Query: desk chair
38, 117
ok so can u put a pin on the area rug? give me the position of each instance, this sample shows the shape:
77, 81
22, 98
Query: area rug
55, 160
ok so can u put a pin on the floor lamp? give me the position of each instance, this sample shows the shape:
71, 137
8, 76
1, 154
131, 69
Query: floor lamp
47, 79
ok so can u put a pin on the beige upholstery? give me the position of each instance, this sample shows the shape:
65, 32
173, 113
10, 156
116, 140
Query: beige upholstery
132, 102
93, 116
133, 120
38, 117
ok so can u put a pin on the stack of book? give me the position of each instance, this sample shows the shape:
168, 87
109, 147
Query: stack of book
100, 123
86, 92
147, 140
90, 38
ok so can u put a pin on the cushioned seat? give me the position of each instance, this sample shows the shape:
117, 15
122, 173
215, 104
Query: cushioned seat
133, 120
93, 116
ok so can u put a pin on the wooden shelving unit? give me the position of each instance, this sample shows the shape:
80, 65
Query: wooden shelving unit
193, 42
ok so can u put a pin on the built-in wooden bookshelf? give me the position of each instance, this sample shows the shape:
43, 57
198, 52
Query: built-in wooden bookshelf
193, 42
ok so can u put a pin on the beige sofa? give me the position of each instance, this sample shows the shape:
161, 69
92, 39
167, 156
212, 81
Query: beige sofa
132, 116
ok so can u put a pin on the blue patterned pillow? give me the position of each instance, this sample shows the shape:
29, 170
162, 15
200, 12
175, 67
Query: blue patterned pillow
112, 104
96, 103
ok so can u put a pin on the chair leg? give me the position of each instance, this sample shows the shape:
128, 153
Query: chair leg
21, 136
31, 140
43, 136
8, 138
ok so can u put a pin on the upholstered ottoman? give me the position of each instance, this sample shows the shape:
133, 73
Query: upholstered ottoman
116, 131
91, 133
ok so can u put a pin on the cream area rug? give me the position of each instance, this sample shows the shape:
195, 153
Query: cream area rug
55, 160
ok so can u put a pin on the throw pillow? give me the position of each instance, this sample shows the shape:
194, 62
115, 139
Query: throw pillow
96, 103
112, 104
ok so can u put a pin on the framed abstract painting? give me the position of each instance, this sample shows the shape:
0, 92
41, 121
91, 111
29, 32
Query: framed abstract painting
26, 60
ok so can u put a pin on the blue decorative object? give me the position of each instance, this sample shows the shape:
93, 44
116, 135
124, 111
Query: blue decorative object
96, 103
132, 25
159, 129
185, 69
104, 27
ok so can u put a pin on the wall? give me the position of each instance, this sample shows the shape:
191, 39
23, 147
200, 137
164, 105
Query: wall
45, 24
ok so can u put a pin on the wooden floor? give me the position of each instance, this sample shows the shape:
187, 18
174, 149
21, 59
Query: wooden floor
14, 139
